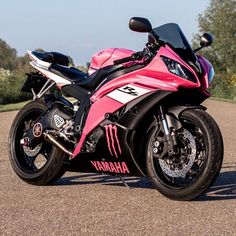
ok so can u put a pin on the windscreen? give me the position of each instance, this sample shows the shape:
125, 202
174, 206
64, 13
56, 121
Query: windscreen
173, 35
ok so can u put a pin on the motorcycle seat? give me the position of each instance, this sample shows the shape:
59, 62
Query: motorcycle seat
52, 57
92, 81
70, 73
59, 66
82, 79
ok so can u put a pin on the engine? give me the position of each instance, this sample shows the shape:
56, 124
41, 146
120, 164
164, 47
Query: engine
61, 120
58, 117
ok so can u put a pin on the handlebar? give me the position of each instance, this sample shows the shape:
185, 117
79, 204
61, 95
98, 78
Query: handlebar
147, 53
123, 60
133, 57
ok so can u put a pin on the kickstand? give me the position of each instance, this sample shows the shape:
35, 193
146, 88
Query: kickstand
122, 179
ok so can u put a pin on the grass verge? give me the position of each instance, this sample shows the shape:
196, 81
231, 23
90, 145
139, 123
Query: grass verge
223, 100
19, 105
12, 107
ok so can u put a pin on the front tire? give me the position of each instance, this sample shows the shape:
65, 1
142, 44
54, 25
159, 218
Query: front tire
40, 165
204, 156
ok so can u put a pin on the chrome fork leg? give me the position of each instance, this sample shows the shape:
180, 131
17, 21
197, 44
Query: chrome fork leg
168, 136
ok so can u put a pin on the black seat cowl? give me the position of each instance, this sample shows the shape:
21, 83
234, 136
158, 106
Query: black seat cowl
82, 79
70, 73
92, 81
52, 57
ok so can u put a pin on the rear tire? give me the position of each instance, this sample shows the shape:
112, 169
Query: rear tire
23, 164
209, 168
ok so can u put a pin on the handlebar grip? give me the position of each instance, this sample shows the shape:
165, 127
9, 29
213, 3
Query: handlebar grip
133, 57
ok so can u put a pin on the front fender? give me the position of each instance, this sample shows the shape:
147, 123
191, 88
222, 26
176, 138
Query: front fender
176, 111
173, 114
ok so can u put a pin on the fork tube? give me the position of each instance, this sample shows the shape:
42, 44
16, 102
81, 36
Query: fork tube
168, 136
164, 123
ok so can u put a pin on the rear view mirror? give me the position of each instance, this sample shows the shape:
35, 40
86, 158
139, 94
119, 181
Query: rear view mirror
206, 40
140, 24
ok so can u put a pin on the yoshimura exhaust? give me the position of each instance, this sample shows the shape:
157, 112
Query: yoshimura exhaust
53, 141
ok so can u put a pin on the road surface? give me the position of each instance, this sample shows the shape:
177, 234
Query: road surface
89, 204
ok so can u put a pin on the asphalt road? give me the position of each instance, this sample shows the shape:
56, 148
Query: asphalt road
88, 204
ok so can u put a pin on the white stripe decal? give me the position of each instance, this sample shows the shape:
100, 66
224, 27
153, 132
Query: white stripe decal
127, 93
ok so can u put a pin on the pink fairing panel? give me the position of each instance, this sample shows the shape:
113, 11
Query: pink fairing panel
154, 76
97, 115
107, 57
101, 57
206, 66
108, 104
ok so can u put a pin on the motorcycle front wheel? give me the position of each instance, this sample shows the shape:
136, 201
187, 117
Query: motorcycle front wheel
38, 165
190, 172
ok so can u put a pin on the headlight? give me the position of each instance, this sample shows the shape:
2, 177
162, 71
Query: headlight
210, 75
177, 69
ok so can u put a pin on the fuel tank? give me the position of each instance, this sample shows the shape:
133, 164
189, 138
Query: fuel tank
106, 57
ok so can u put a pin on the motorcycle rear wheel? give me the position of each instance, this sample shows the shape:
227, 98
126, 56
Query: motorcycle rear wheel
203, 146
40, 165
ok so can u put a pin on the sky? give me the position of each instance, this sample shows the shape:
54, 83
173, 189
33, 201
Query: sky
80, 28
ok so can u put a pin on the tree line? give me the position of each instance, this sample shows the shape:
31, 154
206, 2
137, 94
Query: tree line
219, 18
13, 71
12, 74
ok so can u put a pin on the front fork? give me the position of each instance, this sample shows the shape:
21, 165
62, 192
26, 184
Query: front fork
169, 131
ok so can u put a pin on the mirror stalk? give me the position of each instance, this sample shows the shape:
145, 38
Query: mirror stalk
198, 49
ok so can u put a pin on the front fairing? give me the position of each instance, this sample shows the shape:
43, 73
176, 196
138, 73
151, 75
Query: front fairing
154, 75
172, 35
207, 70
176, 80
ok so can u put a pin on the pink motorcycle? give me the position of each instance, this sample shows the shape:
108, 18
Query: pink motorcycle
135, 114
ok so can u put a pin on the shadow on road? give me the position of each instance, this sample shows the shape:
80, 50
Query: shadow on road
225, 186
133, 182
223, 189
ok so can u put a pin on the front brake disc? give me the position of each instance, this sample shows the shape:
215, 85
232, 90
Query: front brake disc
188, 153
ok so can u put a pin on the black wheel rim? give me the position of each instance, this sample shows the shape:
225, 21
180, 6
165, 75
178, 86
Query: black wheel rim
30, 164
199, 161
